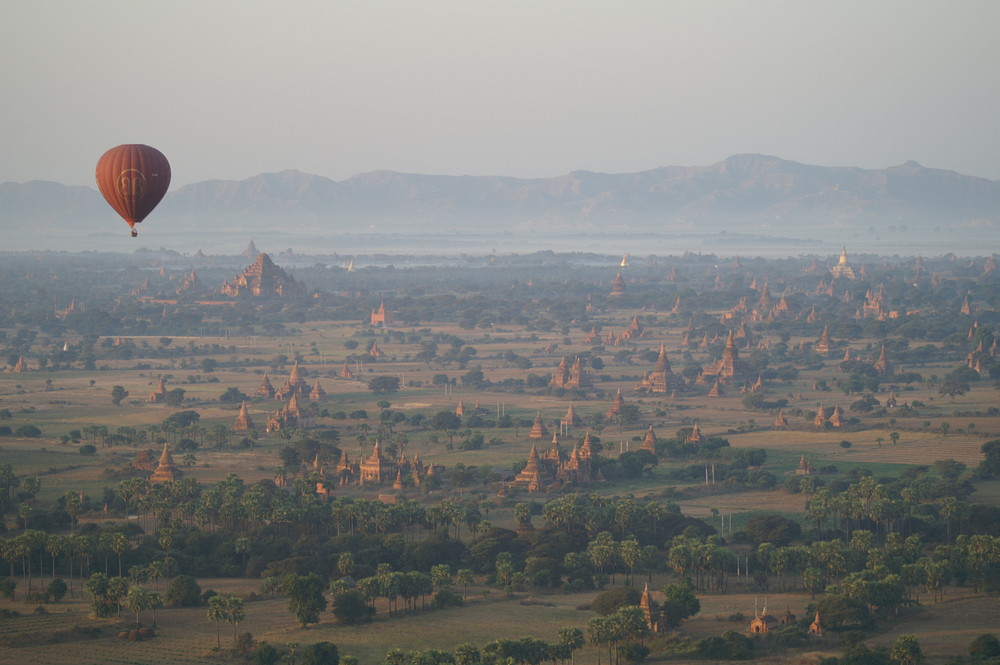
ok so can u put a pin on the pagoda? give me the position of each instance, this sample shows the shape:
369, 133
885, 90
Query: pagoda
265, 390
376, 469
617, 286
251, 252
843, 268
882, 366
244, 423
160, 394
695, 435
649, 442
616, 406
166, 471
836, 417
570, 419
264, 279
345, 372
730, 369
661, 379
554, 453
295, 385
822, 347
538, 429
317, 394
381, 316
534, 477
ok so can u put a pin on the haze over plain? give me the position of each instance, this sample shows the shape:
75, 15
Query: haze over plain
228, 90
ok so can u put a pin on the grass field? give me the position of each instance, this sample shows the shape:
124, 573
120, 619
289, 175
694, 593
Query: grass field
187, 636
75, 399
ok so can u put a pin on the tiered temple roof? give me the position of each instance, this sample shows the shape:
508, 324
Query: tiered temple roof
166, 471
160, 393
538, 429
662, 379
382, 316
843, 268
616, 406
264, 279
730, 368
265, 390
244, 422
617, 286
289, 417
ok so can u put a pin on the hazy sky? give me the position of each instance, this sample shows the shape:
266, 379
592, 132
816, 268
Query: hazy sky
230, 89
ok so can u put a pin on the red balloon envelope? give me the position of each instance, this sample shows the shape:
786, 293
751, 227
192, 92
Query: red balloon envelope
133, 178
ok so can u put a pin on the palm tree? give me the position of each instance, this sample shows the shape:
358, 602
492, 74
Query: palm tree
234, 614
217, 613
138, 599
55, 545
572, 639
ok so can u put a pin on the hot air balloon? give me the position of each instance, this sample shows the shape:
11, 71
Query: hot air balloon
133, 178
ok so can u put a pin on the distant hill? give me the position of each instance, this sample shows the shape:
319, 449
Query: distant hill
745, 193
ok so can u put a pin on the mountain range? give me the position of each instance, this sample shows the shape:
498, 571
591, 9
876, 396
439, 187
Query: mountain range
744, 193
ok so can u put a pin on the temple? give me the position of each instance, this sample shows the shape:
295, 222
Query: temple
381, 316
556, 467
166, 471
289, 417
295, 385
843, 268
263, 279
617, 286
244, 423
570, 377
160, 394
730, 369
661, 379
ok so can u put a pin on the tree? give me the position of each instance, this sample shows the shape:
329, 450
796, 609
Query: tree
350, 608
174, 397
990, 465
680, 603
183, 591
571, 639
953, 388
305, 596
118, 393
320, 653
233, 396
985, 646
138, 599
57, 589
905, 650
608, 602
235, 613
217, 613
384, 385
771, 528
446, 421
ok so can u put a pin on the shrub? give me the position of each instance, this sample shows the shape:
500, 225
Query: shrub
607, 602
28, 432
320, 653
183, 592
87, 449
57, 589
350, 608
265, 654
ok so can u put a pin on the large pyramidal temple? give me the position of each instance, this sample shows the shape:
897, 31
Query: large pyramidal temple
264, 279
